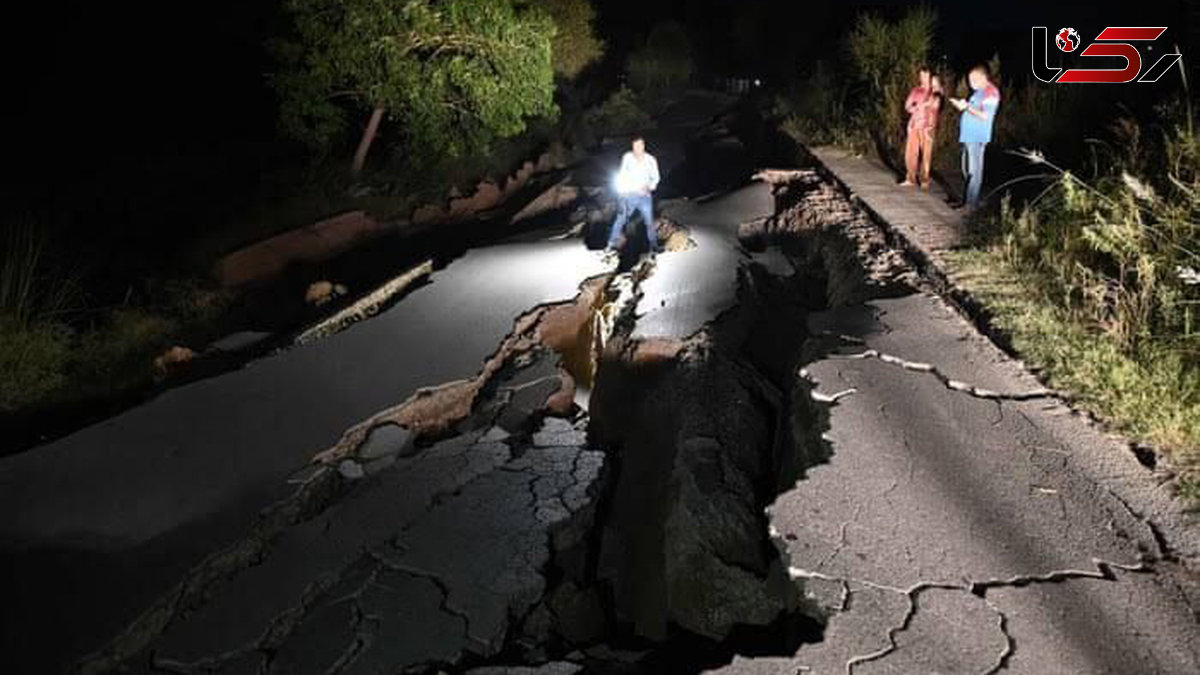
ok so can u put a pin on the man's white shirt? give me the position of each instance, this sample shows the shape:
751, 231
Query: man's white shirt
636, 174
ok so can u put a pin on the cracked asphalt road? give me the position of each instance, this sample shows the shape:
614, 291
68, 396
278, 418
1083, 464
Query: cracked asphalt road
974, 528
155, 504
161, 486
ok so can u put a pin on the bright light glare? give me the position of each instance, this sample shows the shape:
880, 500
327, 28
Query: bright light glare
624, 183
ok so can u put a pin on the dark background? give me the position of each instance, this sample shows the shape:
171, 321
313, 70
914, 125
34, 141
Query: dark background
136, 122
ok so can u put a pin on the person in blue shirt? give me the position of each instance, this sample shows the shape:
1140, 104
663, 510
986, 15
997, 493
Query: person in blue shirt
975, 129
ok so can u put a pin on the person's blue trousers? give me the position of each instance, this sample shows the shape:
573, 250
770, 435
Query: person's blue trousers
629, 204
972, 168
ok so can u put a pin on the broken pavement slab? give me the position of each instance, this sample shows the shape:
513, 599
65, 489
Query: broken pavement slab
449, 544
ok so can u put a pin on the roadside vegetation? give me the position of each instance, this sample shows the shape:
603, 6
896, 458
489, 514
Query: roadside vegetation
56, 349
1089, 255
1098, 281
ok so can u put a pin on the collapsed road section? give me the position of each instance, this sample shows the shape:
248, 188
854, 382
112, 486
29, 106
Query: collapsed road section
491, 522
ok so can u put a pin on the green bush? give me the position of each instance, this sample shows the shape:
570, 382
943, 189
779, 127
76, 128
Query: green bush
1122, 250
31, 287
33, 361
818, 112
885, 56
1154, 397
620, 115
119, 352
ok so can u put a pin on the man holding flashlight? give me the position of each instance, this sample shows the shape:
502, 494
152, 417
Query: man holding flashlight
635, 183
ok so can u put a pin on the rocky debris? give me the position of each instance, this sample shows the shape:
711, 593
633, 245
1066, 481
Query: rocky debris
490, 194
672, 237
569, 328
171, 360
781, 176
239, 341
817, 225
313, 243
366, 306
319, 241
321, 292
559, 196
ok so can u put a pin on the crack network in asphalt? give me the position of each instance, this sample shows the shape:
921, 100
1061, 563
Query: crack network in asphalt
1103, 570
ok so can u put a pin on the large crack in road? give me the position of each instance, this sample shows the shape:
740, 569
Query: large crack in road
537, 544
769, 478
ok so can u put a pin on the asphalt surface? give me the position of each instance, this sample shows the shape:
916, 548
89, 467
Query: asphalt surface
156, 489
98, 525
953, 532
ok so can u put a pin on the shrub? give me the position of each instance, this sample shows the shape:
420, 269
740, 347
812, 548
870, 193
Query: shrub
885, 56
1122, 250
118, 353
620, 115
30, 287
33, 361
817, 112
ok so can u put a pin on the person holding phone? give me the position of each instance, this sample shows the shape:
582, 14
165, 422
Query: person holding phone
975, 129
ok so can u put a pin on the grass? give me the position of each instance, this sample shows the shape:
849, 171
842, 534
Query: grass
621, 114
52, 350
32, 362
1154, 398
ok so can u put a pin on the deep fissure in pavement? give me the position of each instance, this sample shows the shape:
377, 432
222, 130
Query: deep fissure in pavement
700, 435
655, 556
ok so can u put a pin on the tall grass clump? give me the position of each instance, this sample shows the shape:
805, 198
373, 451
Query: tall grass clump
885, 56
821, 110
1112, 265
857, 101
30, 288
34, 344
1122, 250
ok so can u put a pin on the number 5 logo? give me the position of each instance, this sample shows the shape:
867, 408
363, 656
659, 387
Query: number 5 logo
1112, 41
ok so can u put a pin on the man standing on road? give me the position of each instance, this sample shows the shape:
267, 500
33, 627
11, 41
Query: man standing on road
635, 183
975, 129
